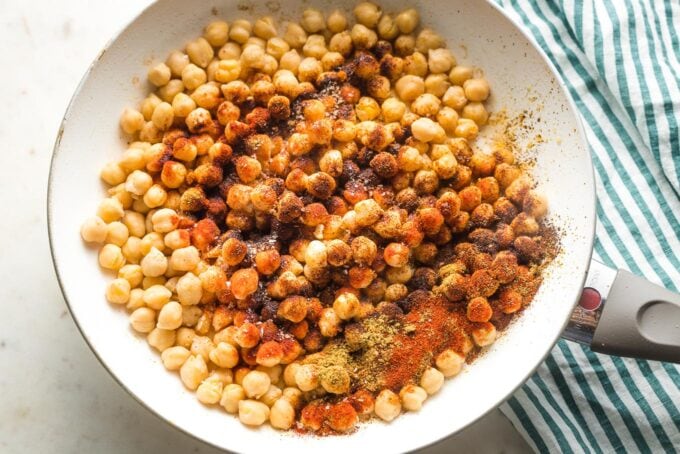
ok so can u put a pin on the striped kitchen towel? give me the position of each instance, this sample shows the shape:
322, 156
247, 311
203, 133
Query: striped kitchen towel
620, 60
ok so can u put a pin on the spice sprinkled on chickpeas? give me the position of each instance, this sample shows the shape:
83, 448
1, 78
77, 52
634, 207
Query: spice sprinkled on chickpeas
305, 225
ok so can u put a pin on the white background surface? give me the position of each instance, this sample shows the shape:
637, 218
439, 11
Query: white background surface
54, 395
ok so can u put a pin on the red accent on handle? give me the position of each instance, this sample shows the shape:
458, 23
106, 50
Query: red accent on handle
590, 299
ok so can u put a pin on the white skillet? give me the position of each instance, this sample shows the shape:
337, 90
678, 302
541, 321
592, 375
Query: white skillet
479, 34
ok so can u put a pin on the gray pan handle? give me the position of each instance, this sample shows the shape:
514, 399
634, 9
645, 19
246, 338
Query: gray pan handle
622, 314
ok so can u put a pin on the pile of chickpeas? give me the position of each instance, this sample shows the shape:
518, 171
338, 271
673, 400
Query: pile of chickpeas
272, 161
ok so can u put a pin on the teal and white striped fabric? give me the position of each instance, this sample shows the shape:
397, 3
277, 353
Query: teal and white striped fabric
620, 60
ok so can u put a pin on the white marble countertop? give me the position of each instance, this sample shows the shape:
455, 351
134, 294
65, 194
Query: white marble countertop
54, 395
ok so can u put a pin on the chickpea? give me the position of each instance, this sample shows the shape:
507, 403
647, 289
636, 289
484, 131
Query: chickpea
427, 130
338, 253
404, 45
407, 20
164, 220
113, 173
131, 121
167, 93
431, 380
269, 354
202, 345
111, 257
240, 31
256, 383
151, 240
197, 119
209, 391
412, 397
428, 39
510, 301
94, 230
163, 116
118, 291
395, 292
174, 357
415, 64
393, 109
306, 377
476, 89
329, 323
482, 163
193, 371
156, 296
132, 159
449, 362
131, 273
387, 405
176, 61
448, 119
409, 87
216, 33
289, 374
282, 414
336, 21
184, 259
409, 159
396, 254
459, 74
117, 233
341, 43
110, 210
294, 35
138, 182
155, 196
455, 97
367, 108
159, 74
154, 263
231, 396
185, 336
189, 289
346, 306
312, 20
248, 169
200, 52
143, 320
363, 37
426, 105
252, 56
484, 335
132, 250
476, 112
367, 14
161, 339
309, 69
517, 190
244, 282
252, 412
229, 51
170, 316
440, 60
267, 262
265, 28
467, 129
